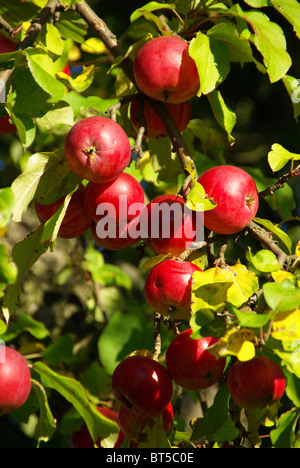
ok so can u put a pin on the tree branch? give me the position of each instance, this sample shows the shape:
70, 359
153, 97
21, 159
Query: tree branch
264, 238
280, 182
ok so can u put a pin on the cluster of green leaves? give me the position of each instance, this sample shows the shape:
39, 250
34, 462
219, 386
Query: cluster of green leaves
44, 102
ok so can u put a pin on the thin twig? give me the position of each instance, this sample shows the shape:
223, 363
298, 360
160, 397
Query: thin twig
280, 182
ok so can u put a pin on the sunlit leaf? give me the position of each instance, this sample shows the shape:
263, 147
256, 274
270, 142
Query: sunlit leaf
279, 157
286, 326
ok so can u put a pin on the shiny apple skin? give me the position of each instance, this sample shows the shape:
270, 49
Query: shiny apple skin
164, 70
235, 193
97, 149
169, 232
142, 385
124, 185
181, 114
15, 380
191, 364
256, 383
168, 288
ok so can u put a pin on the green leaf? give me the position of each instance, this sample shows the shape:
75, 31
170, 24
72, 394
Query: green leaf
60, 114
149, 7
6, 205
8, 270
50, 39
290, 9
215, 417
279, 157
238, 46
284, 434
47, 177
71, 26
245, 284
264, 260
269, 39
223, 114
25, 254
292, 86
125, 333
271, 43
212, 59
61, 351
249, 319
282, 296
82, 82
74, 393
46, 425
209, 294
164, 162
275, 230
25, 127
26, 323
43, 70
196, 199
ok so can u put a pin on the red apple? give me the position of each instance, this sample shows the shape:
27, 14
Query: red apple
181, 114
6, 127
256, 383
191, 364
97, 149
116, 199
76, 220
164, 70
133, 425
142, 385
171, 227
168, 288
15, 380
82, 437
116, 237
6, 44
235, 193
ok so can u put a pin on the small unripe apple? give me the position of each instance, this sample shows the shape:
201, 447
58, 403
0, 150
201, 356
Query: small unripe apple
181, 114
171, 226
134, 426
256, 383
82, 437
142, 385
164, 70
15, 380
168, 288
116, 198
235, 193
191, 364
76, 220
97, 149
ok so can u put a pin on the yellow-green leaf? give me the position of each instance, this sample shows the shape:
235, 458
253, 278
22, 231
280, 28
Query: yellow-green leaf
278, 157
286, 325
151, 262
245, 284
93, 45
81, 82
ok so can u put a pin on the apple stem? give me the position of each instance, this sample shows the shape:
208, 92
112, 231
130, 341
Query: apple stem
90, 151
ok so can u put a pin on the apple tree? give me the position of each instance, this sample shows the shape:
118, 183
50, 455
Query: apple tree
132, 339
